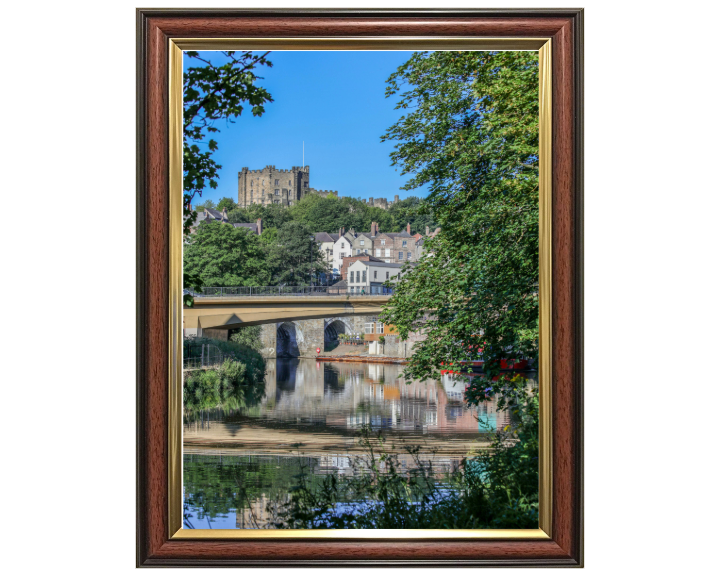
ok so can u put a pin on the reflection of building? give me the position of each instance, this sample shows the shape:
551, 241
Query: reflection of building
349, 395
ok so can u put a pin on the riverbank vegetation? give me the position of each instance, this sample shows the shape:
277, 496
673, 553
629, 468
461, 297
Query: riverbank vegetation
238, 382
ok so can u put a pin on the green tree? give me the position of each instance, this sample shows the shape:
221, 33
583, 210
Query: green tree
222, 255
227, 204
213, 92
209, 204
296, 259
413, 211
472, 135
248, 336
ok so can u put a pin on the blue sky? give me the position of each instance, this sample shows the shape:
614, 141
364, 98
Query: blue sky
335, 102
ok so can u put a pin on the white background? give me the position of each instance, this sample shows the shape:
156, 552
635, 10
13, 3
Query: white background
651, 312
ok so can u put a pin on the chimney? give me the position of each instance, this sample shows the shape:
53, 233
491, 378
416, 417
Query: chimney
427, 230
340, 231
408, 228
224, 214
259, 226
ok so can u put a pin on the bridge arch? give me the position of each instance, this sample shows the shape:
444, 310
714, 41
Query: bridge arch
336, 326
288, 338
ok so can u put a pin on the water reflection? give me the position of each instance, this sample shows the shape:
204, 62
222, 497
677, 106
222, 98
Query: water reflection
238, 460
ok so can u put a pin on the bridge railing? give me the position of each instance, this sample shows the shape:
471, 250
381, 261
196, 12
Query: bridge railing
217, 291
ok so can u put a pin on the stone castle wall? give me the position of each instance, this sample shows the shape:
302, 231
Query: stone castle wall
272, 185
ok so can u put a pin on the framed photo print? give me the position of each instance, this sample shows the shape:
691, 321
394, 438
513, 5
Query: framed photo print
359, 287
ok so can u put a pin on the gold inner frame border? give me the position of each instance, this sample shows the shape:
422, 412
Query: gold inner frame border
175, 86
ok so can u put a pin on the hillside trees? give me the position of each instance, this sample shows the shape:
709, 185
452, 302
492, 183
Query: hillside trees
222, 255
295, 259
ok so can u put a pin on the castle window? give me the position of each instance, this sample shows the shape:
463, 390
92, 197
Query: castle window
252, 182
277, 192
277, 182
305, 184
289, 182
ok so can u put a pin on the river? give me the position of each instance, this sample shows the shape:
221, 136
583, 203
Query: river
308, 419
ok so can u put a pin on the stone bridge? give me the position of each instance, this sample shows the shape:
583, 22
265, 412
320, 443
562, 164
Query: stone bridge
292, 325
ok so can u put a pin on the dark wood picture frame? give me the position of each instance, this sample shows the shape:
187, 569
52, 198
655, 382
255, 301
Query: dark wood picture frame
155, 27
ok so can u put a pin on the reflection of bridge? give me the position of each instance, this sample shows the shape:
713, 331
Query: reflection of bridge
298, 323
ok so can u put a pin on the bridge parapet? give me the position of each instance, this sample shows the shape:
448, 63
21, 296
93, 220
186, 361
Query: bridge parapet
295, 291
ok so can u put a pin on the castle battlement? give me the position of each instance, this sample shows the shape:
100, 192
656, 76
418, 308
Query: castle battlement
251, 191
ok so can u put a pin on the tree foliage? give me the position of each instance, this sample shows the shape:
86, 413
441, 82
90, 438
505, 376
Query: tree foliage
222, 255
295, 259
471, 133
213, 92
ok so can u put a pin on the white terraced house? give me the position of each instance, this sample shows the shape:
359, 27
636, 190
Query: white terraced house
369, 277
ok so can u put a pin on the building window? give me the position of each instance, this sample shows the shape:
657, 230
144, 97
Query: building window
369, 328
277, 182
364, 276
289, 182
365, 250
277, 192
305, 186
400, 255
387, 252
263, 182
404, 243
382, 242
352, 277
352, 289
375, 275
362, 242
379, 328
409, 256
377, 251
357, 252
387, 275
342, 245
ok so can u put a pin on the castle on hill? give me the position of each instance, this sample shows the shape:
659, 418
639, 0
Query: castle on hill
285, 187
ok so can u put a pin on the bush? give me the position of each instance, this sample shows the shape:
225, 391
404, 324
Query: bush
239, 382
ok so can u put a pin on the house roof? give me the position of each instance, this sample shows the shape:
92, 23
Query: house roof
324, 237
251, 225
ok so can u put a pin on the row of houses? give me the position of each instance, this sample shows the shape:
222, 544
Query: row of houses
362, 261
390, 247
